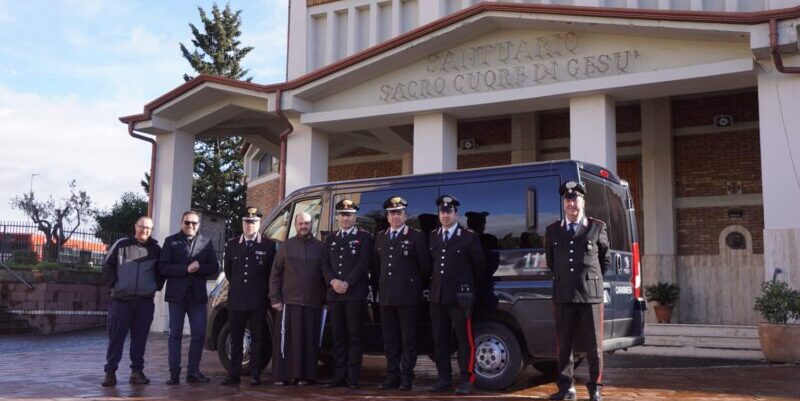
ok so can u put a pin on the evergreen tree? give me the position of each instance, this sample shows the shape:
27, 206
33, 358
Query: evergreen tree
218, 167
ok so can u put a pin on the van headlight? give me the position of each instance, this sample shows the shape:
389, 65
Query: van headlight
217, 284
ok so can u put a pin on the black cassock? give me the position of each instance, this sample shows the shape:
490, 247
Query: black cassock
295, 347
297, 282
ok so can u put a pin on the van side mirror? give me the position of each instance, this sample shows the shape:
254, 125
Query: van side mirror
530, 209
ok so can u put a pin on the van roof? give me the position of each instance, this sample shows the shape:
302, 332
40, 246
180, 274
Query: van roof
566, 168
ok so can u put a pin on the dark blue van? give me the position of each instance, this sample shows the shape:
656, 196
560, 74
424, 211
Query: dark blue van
510, 207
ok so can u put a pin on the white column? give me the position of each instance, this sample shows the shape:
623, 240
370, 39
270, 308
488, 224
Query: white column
397, 20
658, 259
173, 196
306, 157
593, 130
435, 143
297, 57
779, 123
431, 10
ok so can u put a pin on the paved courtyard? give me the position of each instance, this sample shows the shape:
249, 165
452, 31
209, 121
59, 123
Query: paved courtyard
69, 366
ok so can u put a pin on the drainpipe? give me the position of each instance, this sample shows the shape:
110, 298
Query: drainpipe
777, 59
284, 135
151, 191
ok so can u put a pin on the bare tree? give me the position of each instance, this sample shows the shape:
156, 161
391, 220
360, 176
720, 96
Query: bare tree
56, 220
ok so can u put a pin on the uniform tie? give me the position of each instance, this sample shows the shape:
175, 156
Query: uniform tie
249, 243
446, 235
394, 235
571, 229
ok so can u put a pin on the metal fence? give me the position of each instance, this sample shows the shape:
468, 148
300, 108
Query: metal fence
24, 244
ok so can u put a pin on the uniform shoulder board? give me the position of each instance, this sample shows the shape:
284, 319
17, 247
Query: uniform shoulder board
596, 221
434, 230
470, 230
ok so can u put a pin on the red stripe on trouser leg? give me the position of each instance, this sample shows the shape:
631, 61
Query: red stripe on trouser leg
600, 346
471, 364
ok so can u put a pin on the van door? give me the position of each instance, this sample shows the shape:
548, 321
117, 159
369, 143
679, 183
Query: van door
597, 207
619, 275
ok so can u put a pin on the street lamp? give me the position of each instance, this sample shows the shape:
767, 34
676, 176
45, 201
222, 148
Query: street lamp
32, 175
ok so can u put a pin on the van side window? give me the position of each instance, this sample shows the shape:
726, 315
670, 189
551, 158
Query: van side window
310, 206
511, 217
618, 225
276, 230
371, 216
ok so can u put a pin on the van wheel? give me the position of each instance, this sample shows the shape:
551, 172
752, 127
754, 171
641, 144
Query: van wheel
550, 368
498, 356
224, 348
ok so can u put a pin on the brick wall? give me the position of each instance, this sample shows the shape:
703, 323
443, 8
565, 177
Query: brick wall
60, 300
555, 124
698, 229
475, 160
699, 111
705, 163
354, 171
264, 196
486, 132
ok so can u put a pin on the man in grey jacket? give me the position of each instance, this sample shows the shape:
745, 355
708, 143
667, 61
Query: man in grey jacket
130, 269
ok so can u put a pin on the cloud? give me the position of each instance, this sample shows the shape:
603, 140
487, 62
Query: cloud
63, 138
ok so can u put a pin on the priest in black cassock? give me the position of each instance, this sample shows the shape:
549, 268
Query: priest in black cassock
297, 291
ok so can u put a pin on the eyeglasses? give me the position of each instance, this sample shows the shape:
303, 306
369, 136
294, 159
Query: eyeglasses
193, 223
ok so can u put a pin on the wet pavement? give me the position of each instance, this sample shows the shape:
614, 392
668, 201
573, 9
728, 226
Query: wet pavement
70, 366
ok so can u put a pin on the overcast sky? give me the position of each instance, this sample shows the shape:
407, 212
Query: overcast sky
69, 69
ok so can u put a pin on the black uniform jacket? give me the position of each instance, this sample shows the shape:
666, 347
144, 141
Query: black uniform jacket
296, 277
456, 265
578, 263
176, 255
348, 259
247, 270
402, 266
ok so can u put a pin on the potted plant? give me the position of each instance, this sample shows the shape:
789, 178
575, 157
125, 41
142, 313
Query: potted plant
780, 334
665, 295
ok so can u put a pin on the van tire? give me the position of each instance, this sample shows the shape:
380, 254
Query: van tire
498, 356
223, 349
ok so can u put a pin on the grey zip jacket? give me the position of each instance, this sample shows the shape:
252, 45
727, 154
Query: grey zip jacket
130, 269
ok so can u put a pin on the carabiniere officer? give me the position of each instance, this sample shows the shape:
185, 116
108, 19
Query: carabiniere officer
577, 253
248, 260
457, 260
345, 266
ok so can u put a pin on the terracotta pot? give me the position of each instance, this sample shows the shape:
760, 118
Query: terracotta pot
663, 313
780, 342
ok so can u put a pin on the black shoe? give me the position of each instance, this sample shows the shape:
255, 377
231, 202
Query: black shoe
111, 379
354, 386
174, 377
279, 383
442, 387
465, 388
390, 384
197, 377
231, 381
255, 381
138, 377
306, 382
405, 386
336, 383
564, 394
595, 396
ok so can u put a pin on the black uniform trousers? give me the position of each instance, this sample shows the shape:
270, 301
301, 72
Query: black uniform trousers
579, 324
445, 320
346, 318
399, 324
238, 319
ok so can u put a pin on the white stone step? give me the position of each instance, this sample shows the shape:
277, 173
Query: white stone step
703, 341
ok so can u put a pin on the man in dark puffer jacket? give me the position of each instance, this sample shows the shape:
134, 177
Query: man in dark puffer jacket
130, 269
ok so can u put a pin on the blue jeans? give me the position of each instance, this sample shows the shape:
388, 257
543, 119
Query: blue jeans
125, 317
197, 326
